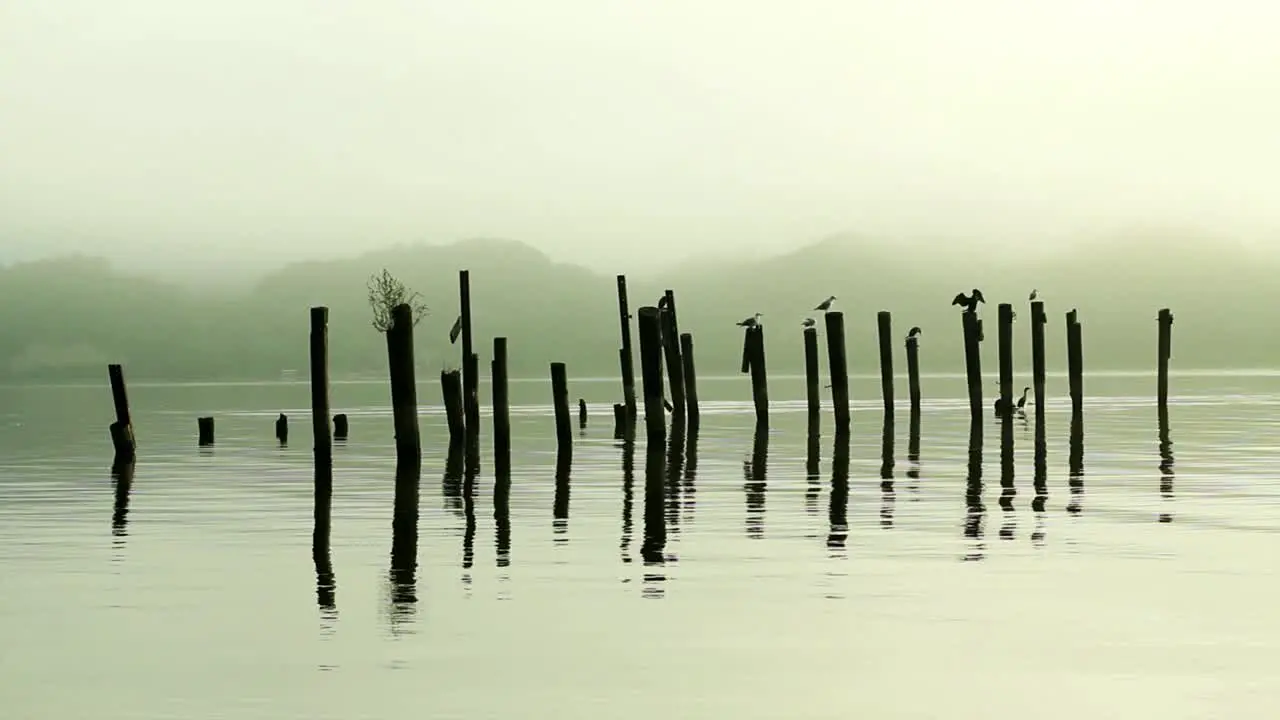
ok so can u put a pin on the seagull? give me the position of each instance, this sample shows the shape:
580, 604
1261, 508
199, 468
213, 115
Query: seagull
913, 332
1034, 294
455, 331
969, 302
808, 322
825, 305
752, 321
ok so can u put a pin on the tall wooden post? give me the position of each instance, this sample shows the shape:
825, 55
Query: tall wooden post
404, 391
470, 398
690, 379
913, 373
759, 375
625, 354
648, 322
501, 410
121, 430
320, 386
1164, 350
884, 327
671, 355
811, 381
973, 366
560, 401
839, 369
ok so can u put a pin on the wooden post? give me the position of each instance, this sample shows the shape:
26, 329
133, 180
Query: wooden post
470, 398
472, 454
282, 429
320, 394
501, 410
340, 427
404, 390
121, 430
839, 369
582, 414
690, 379
619, 421
205, 426
759, 377
972, 365
625, 354
1164, 349
884, 323
913, 373
560, 401
1038, 319
811, 381
1075, 362
648, 322
1005, 319
671, 356
451, 389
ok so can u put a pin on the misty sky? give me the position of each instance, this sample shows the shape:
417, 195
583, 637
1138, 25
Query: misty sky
588, 127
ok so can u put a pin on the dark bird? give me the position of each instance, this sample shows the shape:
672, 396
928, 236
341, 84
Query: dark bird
825, 305
667, 404
969, 302
913, 332
1034, 294
664, 302
1002, 408
455, 331
752, 321
808, 322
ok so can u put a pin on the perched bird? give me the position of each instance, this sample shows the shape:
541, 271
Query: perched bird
825, 305
969, 302
664, 302
752, 321
455, 331
667, 404
913, 332
1034, 294
808, 322
1002, 408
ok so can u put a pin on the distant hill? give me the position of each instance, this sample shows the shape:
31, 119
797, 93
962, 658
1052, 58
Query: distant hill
66, 318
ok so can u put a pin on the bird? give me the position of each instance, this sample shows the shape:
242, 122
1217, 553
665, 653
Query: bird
1002, 408
969, 302
752, 321
825, 305
667, 404
913, 332
664, 302
455, 331
1034, 294
808, 322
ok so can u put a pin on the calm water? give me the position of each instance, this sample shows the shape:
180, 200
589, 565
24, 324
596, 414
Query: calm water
1143, 588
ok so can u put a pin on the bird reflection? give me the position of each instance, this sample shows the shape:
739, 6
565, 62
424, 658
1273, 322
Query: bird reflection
690, 472
813, 482
886, 474
560, 504
1166, 464
1075, 463
838, 512
122, 479
452, 485
404, 542
753, 473
675, 472
326, 585
628, 485
973, 493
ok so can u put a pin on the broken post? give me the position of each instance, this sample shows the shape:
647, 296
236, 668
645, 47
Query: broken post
501, 410
884, 325
560, 401
205, 426
320, 395
690, 379
282, 429
838, 368
121, 430
619, 421
404, 391
625, 354
340, 426
451, 389
582, 413
648, 322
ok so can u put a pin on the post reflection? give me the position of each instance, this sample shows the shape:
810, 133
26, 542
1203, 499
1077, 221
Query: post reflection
469, 530
1166, 465
675, 473
689, 490
404, 544
502, 519
813, 481
122, 484
451, 487
1075, 463
1008, 523
886, 473
974, 509
560, 503
753, 472
837, 512
913, 452
628, 494
326, 583
655, 527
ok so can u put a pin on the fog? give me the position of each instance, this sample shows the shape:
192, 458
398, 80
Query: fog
251, 132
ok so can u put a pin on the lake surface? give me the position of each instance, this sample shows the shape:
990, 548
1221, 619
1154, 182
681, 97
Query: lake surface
1143, 587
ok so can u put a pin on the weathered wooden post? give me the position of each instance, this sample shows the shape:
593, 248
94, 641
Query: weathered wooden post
205, 426
884, 326
282, 429
501, 410
470, 397
1075, 363
451, 390
340, 426
671, 355
1005, 348
320, 393
625, 354
648, 322
404, 390
560, 401
1038, 319
759, 377
973, 365
121, 430
582, 414
811, 382
690, 380
1165, 320
839, 369
913, 373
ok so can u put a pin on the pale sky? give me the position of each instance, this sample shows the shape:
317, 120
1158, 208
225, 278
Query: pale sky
602, 129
